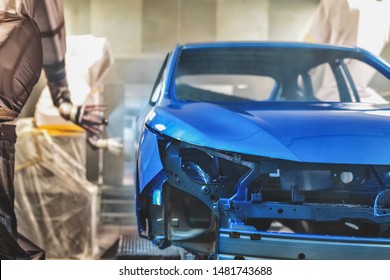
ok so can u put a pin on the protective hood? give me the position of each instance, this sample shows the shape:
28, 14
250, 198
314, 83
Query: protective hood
304, 132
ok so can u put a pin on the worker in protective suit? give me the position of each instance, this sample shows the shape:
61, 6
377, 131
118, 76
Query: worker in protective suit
362, 23
32, 37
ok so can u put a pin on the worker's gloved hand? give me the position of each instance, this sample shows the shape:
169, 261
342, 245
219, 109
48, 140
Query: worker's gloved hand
89, 117
113, 145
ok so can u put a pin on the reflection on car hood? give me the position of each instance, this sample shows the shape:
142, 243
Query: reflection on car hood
306, 132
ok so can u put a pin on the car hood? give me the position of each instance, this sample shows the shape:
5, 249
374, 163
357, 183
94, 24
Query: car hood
305, 132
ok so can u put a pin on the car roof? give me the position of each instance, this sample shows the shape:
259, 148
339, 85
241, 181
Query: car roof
268, 44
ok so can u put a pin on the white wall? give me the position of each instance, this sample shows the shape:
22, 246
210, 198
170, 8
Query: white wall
155, 26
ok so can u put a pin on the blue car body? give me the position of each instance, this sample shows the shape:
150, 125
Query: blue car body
228, 172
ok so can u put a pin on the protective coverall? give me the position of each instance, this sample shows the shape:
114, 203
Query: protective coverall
362, 23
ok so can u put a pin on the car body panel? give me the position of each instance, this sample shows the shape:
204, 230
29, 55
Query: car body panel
314, 133
149, 163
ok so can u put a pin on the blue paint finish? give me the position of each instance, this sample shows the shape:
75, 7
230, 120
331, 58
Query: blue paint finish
312, 132
381, 65
149, 162
170, 71
305, 132
157, 199
298, 131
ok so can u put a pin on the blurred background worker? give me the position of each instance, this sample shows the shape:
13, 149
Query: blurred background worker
32, 36
362, 23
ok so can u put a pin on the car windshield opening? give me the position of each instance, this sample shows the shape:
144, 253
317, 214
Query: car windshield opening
257, 74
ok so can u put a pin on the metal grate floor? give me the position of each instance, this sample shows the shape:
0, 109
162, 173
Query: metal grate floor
132, 247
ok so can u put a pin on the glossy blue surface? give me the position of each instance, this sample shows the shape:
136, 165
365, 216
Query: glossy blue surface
306, 132
298, 131
310, 132
149, 163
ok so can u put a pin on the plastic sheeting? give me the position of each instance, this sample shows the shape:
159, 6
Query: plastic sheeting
55, 204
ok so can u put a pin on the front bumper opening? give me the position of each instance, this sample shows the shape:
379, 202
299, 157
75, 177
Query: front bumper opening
210, 197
